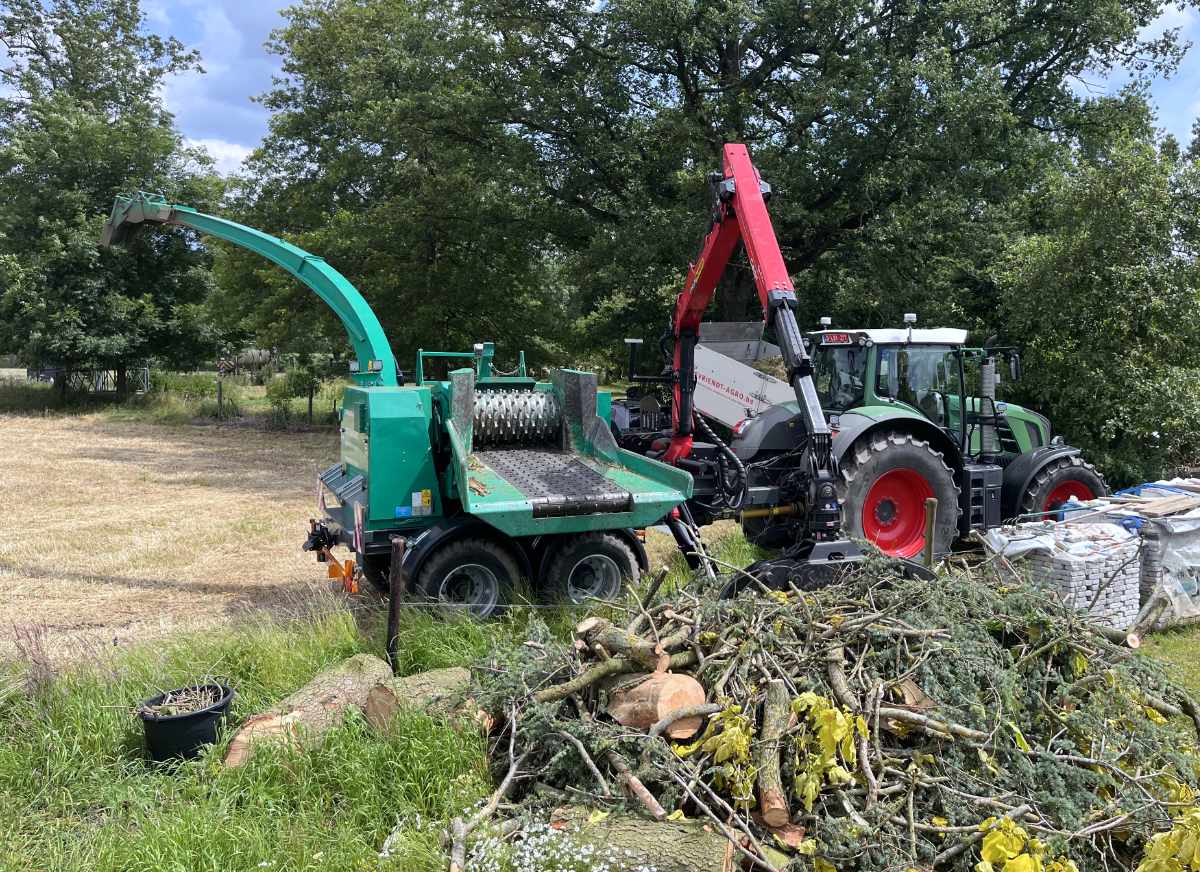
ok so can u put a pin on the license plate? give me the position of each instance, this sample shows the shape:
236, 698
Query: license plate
836, 339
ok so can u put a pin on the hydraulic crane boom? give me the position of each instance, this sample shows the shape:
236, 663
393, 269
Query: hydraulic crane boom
376, 365
740, 214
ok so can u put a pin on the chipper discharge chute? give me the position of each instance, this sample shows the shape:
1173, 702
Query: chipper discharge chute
477, 481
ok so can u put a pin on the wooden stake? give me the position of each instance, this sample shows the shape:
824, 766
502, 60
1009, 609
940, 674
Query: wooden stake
931, 505
397, 588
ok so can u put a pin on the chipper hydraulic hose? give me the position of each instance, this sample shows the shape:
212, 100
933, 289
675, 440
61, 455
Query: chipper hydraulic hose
375, 365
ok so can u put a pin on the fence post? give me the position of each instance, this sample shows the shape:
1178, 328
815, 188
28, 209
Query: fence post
312, 388
220, 400
397, 589
931, 505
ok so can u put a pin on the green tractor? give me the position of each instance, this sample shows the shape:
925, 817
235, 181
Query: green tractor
914, 415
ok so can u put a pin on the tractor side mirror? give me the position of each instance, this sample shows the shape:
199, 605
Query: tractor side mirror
1014, 366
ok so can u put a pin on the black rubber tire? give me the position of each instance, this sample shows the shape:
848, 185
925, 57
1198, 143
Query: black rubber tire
772, 533
1056, 473
499, 576
375, 569
565, 556
879, 453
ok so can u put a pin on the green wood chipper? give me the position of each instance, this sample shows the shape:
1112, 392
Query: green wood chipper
489, 479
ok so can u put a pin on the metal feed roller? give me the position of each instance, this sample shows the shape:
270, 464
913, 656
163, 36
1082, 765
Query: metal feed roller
516, 418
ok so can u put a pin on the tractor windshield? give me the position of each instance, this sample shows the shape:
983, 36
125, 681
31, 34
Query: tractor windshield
840, 374
925, 377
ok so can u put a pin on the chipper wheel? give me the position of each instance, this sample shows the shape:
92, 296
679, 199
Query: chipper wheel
472, 575
375, 569
886, 479
587, 566
1059, 481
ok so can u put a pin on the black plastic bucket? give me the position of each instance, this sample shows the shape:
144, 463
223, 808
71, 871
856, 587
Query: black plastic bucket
179, 737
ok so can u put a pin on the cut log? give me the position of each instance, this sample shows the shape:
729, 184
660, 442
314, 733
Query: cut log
643, 702
619, 642
666, 846
438, 692
772, 801
312, 710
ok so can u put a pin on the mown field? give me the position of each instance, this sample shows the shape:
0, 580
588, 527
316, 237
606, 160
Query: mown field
181, 544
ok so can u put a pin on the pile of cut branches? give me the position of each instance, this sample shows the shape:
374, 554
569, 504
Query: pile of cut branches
880, 723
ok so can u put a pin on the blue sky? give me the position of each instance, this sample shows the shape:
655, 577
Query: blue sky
215, 109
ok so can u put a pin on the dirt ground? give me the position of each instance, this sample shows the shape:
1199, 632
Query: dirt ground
117, 532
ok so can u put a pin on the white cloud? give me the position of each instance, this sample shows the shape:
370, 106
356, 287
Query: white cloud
228, 156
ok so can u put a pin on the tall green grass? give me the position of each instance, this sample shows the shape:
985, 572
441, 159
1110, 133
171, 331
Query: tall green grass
76, 791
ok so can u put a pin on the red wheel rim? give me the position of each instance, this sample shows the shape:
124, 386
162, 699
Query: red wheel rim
1064, 492
893, 514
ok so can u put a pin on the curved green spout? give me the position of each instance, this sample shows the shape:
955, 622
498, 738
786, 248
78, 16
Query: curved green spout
376, 365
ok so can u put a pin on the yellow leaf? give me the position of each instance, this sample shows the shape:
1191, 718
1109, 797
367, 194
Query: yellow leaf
939, 821
820, 865
1019, 737
988, 760
597, 816
1154, 715
836, 621
808, 847
1023, 863
1079, 663
677, 815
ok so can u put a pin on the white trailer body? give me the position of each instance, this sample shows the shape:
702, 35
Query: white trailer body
729, 391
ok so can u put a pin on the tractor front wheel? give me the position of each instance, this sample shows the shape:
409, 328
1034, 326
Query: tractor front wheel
886, 479
1059, 481
476, 576
588, 566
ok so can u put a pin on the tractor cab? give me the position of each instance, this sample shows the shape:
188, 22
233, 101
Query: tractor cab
917, 368
931, 373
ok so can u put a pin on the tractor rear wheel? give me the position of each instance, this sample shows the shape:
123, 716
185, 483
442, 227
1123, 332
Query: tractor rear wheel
886, 479
588, 566
1060, 480
471, 575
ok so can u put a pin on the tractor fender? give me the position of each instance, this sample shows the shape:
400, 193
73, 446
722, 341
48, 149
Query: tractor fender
777, 428
852, 426
451, 529
780, 427
1020, 473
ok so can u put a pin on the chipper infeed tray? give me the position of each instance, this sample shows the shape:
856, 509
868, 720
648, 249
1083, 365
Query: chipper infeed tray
532, 458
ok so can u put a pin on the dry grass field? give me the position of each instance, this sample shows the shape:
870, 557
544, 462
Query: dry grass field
117, 532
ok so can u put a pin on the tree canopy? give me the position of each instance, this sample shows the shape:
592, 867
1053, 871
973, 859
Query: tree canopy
82, 120
535, 172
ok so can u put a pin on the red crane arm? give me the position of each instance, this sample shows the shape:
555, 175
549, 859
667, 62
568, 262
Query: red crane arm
741, 215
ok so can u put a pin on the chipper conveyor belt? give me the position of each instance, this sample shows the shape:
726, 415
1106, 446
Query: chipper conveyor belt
518, 435
538, 459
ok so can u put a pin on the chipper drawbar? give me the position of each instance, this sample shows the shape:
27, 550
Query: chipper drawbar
489, 478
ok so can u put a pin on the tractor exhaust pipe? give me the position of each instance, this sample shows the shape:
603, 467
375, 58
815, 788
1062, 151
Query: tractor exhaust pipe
989, 437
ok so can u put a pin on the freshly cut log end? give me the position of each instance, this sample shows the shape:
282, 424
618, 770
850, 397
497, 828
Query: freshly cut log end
438, 692
312, 710
650, 698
